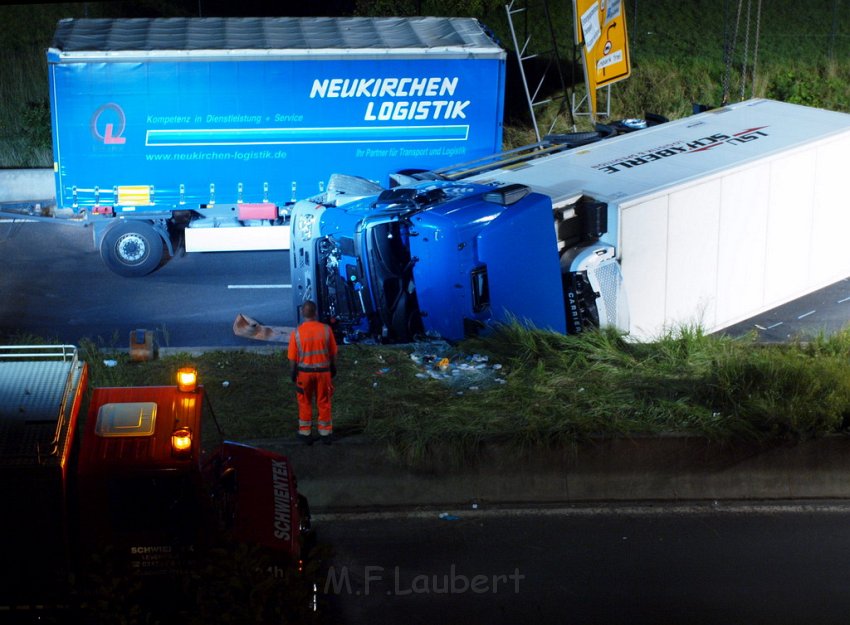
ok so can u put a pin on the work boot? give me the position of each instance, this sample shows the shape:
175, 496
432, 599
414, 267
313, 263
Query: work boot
326, 440
305, 439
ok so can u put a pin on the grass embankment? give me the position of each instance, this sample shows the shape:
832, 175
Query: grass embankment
681, 53
550, 390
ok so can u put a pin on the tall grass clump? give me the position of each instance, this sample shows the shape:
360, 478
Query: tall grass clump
790, 391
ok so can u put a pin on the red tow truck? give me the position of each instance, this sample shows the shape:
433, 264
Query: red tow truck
138, 500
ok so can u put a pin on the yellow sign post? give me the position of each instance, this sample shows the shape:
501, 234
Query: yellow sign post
601, 33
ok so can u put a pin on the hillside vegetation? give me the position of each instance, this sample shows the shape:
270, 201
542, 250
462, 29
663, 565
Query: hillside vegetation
682, 53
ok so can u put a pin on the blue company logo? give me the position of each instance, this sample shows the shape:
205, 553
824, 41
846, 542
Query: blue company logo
108, 124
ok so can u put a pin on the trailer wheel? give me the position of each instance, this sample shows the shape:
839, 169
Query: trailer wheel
132, 248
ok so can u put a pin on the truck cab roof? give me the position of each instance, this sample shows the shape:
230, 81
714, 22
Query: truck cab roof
130, 430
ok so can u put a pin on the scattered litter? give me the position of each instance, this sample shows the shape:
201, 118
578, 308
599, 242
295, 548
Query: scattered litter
225, 384
445, 516
475, 506
383, 371
110, 363
439, 361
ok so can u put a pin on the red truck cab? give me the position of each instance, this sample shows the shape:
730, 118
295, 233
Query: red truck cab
155, 486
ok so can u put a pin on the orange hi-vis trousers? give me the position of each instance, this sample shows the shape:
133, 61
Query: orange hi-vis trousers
318, 387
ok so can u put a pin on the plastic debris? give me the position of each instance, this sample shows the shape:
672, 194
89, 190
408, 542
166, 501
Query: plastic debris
225, 384
439, 361
110, 363
445, 516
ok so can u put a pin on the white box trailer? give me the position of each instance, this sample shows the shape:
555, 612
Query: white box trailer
716, 217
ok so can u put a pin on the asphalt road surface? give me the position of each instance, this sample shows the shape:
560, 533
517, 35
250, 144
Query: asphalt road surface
825, 311
55, 286
657, 565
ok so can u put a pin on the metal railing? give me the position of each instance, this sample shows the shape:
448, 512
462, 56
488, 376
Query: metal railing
48, 353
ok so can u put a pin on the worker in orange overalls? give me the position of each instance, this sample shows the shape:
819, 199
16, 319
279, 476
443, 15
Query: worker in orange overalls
312, 356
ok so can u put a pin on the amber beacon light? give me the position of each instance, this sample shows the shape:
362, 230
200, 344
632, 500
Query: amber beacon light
181, 442
187, 379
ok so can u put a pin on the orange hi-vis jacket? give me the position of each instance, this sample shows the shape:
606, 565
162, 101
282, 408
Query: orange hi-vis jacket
313, 347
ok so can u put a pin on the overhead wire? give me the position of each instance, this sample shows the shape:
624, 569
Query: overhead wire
756, 47
729, 50
748, 72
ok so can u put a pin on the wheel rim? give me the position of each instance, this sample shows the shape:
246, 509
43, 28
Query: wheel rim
131, 248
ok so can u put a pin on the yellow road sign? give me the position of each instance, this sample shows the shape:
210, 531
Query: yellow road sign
601, 33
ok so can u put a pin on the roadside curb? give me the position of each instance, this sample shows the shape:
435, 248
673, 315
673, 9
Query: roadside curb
354, 474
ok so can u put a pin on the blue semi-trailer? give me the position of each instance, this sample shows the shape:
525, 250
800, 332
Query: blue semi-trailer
200, 132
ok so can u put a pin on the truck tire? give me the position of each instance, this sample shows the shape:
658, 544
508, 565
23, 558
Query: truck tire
132, 248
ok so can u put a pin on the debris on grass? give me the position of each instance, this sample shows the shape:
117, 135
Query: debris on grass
439, 361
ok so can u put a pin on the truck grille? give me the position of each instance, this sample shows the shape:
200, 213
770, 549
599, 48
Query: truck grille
609, 279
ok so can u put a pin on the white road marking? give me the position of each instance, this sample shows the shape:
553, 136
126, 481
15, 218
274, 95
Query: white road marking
760, 327
259, 286
775, 325
811, 312
841, 301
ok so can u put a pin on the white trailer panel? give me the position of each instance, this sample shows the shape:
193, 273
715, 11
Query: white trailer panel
742, 251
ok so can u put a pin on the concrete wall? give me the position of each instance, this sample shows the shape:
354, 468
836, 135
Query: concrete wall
352, 474
18, 185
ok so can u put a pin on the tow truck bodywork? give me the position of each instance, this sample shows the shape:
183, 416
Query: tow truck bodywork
142, 493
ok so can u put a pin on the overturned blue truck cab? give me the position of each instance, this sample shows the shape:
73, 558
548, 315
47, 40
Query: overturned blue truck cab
440, 258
